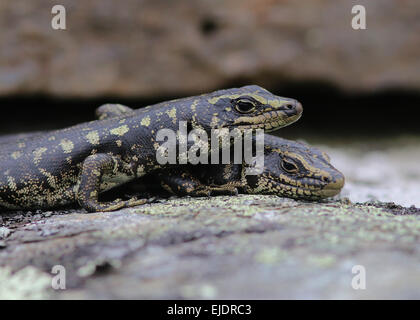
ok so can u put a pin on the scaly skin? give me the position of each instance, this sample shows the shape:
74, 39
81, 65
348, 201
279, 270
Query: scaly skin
291, 169
76, 164
311, 176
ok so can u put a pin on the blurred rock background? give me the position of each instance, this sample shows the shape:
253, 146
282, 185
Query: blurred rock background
152, 48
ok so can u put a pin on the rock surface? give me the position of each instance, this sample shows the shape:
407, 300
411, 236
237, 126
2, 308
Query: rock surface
159, 47
244, 247
377, 169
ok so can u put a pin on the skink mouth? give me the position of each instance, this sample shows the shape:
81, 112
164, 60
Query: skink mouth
321, 192
310, 192
269, 121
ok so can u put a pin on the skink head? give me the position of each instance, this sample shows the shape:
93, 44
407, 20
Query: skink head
249, 107
296, 170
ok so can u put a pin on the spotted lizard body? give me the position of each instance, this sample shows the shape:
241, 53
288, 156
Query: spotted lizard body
76, 164
291, 169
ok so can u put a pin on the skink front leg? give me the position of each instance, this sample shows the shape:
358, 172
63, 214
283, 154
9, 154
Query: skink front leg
93, 169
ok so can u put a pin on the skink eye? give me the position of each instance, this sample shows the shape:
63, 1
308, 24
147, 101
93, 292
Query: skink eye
289, 166
244, 106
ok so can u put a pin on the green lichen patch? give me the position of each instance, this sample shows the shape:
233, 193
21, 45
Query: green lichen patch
27, 283
244, 246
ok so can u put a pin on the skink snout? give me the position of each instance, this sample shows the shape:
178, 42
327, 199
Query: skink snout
299, 108
338, 181
333, 184
293, 108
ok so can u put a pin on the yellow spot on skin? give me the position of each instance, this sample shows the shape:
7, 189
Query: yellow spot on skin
172, 114
38, 154
12, 184
120, 131
17, 154
145, 121
67, 145
141, 171
119, 143
194, 105
52, 138
214, 121
93, 137
21, 145
52, 181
